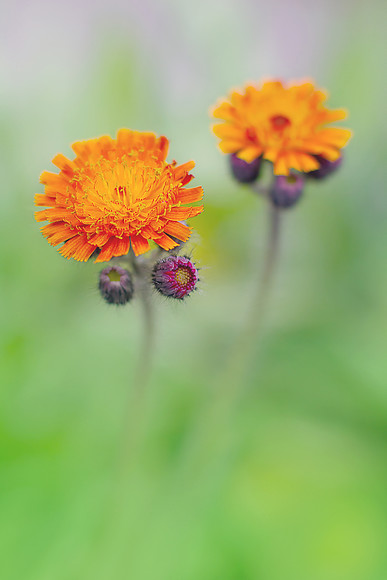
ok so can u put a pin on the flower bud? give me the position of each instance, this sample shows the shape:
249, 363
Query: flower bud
326, 167
286, 190
175, 276
115, 285
245, 172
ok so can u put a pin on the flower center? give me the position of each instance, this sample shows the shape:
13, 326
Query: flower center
114, 276
183, 276
279, 122
122, 196
251, 134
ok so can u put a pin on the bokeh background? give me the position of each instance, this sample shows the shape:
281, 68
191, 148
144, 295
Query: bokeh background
287, 482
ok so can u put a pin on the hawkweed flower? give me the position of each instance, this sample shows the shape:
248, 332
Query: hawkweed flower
115, 201
116, 194
288, 125
175, 276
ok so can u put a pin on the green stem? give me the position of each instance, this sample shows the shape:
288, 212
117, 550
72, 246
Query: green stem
203, 445
252, 331
148, 340
133, 418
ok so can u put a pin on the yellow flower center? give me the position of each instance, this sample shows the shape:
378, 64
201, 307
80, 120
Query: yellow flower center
114, 276
183, 276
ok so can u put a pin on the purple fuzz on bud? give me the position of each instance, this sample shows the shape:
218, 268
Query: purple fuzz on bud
245, 172
286, 190
175, 276
115, 285
326, 167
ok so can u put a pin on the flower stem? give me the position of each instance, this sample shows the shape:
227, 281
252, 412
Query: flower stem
146, 354
230, 385
135, 405
252, 330
141, 271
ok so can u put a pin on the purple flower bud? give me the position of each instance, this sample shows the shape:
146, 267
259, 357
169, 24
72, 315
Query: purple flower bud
175, 276
244, 172
286, 190
326, 167
115, 285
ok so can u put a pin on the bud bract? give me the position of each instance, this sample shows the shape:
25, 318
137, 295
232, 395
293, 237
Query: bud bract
326, 167
245, 172
286, 190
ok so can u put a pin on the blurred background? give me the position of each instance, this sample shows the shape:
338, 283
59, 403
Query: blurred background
289, 480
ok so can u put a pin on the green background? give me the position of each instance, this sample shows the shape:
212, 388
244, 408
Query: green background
286, 478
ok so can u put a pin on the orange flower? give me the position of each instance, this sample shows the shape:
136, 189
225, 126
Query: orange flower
286, 125
117, 192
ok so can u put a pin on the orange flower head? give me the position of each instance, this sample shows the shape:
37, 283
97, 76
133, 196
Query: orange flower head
117, 193
285, 124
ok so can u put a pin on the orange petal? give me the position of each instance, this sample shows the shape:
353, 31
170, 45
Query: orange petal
248, 154
186, 179
58, 232
53, 180
57, 214
190, 195
114, 247
149, 233
225, 111
183, 213
166, 242
44, 200
163, 143
328, 116
139, 244
181, 170
271, 154
334, 136
77, 248
100, 239
230, 132
64, 164
281, 166
178, 230
229, 146
124, 138
307, 162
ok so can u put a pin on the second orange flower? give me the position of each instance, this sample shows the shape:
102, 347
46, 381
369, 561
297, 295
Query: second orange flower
286, 125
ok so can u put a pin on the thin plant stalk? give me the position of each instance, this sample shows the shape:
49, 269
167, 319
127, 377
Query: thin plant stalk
231, 384
133, 417
251, 333
135, 406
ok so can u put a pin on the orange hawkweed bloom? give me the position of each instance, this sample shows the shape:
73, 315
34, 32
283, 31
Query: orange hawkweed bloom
117, 193
284, 124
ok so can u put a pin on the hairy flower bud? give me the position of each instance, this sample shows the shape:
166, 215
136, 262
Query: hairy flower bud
245, 172
286, 190
115, 285
175, 276
326, 167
